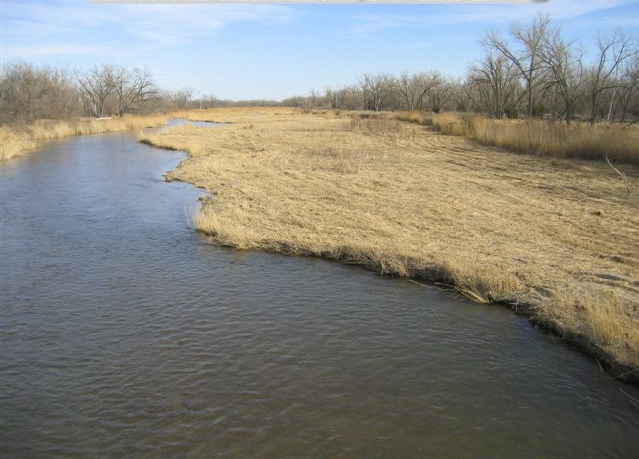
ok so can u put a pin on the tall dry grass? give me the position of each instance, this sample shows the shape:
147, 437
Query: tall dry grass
405, 201
17, 140
608, 322
14, 142
546, 138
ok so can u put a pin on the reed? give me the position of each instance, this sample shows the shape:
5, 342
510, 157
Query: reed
618, 143
18, 140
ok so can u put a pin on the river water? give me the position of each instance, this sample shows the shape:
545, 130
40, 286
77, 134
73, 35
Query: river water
124, 334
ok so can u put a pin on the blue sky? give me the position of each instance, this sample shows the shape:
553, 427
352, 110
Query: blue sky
274, 51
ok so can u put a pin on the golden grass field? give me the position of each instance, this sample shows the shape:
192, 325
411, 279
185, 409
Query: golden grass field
618, 143
18, 141
558, 236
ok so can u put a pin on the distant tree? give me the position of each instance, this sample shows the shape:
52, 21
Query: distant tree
440, 91
28, 93
563, 63
352, 98
377, 90
97, 85
629, 87
295, 101
312, 99
132, 89
209, 101
182, 98
613, 50
413, 89
530, 40
23, 88
333, 97
494, 80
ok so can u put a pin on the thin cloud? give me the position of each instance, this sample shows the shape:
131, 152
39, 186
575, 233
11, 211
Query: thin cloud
26, 26
365, 24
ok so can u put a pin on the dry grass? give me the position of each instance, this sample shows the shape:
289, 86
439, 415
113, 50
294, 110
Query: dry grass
405, 201
19, 140
608, 322
414, 116
576, 140
14, 143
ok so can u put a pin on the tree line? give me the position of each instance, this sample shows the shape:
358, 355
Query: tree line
533, 71
29, 93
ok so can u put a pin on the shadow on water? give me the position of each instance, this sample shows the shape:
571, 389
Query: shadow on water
124, 334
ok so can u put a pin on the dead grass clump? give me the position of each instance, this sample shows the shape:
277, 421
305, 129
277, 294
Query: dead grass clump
14, 143
484, 284
338, 158
601, 318
414, 116
383, 126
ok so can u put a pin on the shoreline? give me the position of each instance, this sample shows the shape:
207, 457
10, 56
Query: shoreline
474, 282
579, 343
443, 273
21, 141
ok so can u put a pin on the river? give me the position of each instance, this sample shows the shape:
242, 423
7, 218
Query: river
125, 334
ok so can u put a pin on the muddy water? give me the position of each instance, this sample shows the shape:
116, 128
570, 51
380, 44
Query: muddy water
124, 334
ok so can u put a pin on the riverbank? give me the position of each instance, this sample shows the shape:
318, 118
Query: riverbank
557, 238
17, 141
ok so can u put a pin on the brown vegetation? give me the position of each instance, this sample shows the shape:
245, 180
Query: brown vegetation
546, 138
556, 236
17, 140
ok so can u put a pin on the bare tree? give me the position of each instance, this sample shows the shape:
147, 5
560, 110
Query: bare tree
22, 88
530, 40
295, 101
312, 98
182, 98
352, 98
494, 79
563, 63
629, 87
439, 92
28, 93
333, 97
97, 85
209, 101
412, 89
131, 88
613, 50
377, 91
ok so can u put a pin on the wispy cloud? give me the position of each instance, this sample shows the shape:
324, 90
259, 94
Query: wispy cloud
366, 24
29, 28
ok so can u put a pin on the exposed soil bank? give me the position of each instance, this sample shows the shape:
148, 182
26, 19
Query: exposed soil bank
555, 237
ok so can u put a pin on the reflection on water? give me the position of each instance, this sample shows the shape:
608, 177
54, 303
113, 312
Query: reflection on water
124, 334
